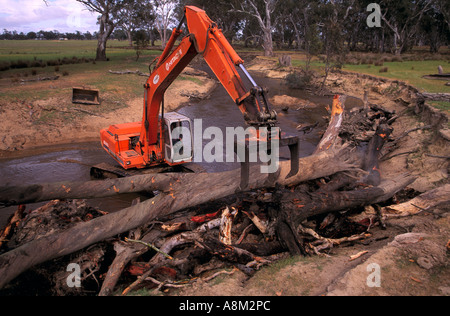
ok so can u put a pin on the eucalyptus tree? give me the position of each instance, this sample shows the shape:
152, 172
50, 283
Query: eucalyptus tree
108, 20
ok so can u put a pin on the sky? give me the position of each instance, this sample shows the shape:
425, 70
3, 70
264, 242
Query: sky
34, 15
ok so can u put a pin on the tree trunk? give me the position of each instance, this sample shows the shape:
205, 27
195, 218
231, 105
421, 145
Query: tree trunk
435, 96
398, 43
337, 117
423, 202
124, 253
130, 38
298, 206
267, 29
267, 43
285, 61
264, 21
101, 49
298, 37
188, 190
85, 190
370, 163
106, 28
310, 167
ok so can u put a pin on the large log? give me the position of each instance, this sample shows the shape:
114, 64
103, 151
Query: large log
371, 164
124, 253
337, 117
309, 168
15, 195
435, 96
188, 190
424, 202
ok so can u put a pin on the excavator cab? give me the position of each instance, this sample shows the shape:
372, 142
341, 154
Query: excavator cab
178, 142
121, 142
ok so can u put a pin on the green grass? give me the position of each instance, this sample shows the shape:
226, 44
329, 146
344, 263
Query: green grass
441, 105
315, 64
87, 73
410, 72
47, 50
193, 79
40, 55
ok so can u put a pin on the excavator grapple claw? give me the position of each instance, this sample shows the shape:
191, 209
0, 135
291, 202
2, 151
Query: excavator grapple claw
240, 147
292, 143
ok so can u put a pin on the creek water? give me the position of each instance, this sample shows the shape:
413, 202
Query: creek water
72, 162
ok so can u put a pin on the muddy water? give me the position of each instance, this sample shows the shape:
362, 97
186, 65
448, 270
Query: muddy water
71, 162
220, 111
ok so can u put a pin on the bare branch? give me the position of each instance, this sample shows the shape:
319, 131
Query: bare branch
92, 5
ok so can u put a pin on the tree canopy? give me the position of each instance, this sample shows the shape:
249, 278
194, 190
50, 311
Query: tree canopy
312, 26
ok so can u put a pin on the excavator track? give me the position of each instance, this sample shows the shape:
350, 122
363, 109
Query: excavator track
107, 171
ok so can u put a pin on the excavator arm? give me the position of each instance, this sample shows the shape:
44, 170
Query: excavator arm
207, 39
223, 59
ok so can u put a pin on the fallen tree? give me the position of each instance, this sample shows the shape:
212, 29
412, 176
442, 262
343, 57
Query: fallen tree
127, 72
178, 195
435, 96
182, 191
296, 206
423, 202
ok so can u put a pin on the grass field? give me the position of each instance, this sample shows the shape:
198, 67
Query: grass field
45, 50
48, 50
408, 71
74, 62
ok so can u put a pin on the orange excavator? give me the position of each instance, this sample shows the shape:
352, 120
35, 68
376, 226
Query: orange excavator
151, 142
